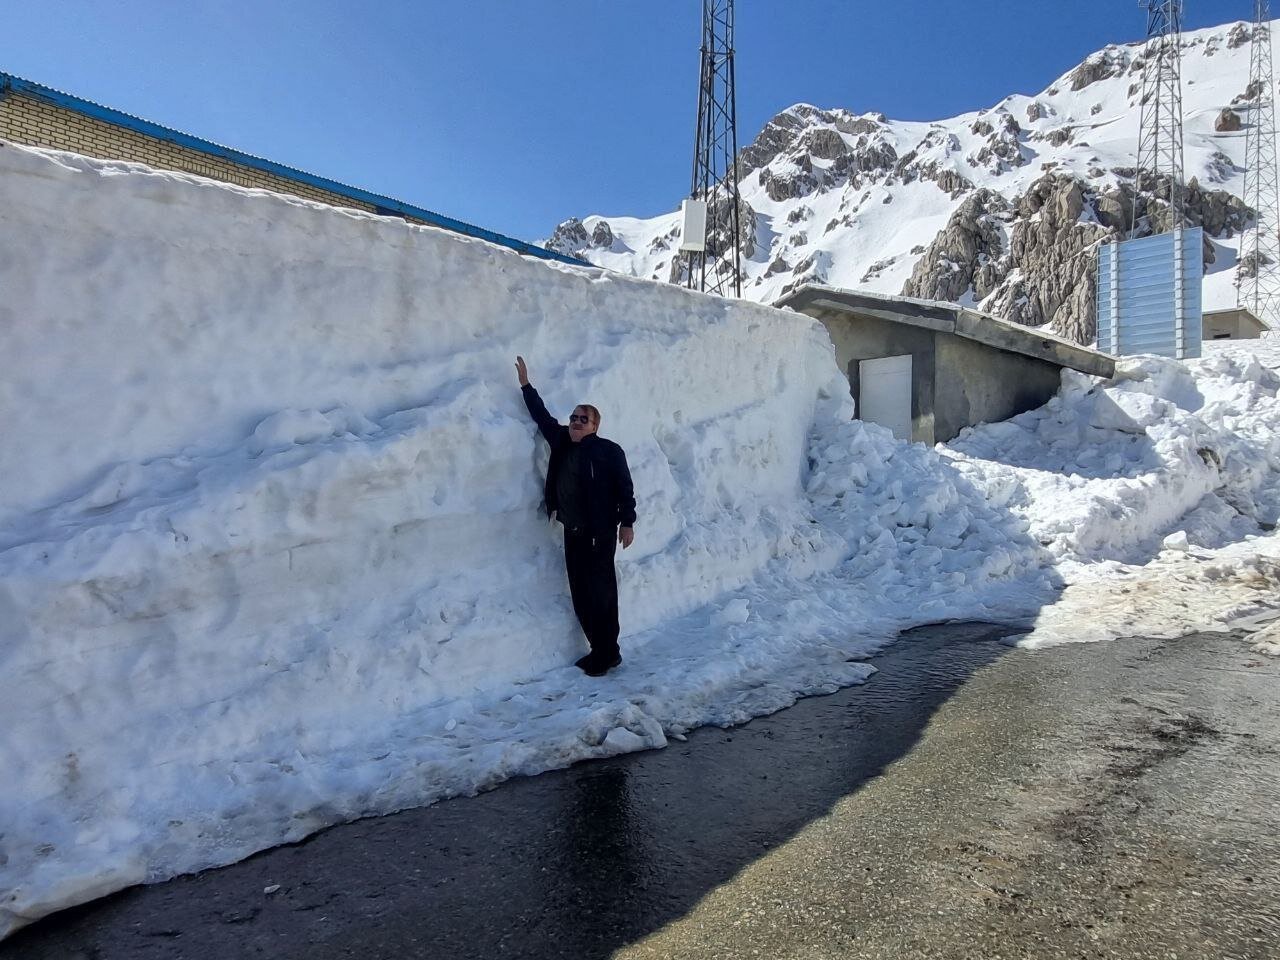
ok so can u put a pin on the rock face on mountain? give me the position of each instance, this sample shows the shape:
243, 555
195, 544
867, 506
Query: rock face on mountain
1003, 208
963, 255
1048, 274
1044, 272
571, 237
1111, 62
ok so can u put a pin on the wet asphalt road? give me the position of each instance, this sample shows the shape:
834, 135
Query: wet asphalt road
1115, 800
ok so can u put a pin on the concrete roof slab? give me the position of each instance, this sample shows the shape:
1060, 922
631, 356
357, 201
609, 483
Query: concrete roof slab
952, 318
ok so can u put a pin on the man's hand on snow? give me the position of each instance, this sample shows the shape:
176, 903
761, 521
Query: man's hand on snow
522, 372
625, 536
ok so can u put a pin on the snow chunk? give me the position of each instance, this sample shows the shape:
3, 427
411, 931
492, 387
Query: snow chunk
735, 611
622, 740
1267, 640
289, 427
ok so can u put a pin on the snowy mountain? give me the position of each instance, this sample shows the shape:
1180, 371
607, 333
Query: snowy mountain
1001, 208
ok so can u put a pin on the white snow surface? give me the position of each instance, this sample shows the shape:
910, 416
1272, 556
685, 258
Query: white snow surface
271, 556
1156, 492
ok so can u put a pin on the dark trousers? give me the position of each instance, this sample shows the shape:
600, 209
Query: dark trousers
593, 584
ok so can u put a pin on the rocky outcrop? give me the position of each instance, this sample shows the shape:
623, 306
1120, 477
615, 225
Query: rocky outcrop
1002, 121
1220, 168
1240, 34
664, 240
783, 156
1228, 121
971, 239
877, 268
1110, 62
812, 268
802, 212
1047, 273
824, 143
870, 123
804, 131
778, 265
869, 156
949, 181
1222, 214
719, 225
778, 136
1003, 149
1251, 93
788, 186
569, 237
1247, 268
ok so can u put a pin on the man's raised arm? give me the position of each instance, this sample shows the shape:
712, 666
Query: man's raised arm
537, 409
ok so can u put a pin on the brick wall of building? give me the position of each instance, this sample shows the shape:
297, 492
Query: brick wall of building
36, 123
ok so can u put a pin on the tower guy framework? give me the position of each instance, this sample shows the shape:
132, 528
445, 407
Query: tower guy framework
1160, 131
1259, 270
717, 268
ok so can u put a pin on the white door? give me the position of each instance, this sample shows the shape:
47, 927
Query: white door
885, 393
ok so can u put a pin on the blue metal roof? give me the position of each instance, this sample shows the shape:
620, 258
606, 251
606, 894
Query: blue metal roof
385, 205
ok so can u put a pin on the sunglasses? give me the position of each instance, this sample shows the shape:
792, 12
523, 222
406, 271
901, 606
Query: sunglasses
574, 418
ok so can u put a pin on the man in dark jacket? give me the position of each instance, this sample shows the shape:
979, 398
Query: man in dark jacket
589, 491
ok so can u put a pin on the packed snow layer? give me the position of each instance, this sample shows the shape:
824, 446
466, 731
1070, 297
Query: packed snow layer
270, 548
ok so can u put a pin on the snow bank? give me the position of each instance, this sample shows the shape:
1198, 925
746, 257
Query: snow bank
1168, 455
1157, 493
270, 553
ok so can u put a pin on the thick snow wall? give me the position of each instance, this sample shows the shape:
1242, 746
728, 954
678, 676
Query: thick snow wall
268, 485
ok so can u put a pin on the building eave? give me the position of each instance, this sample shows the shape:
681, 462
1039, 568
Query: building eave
955, 319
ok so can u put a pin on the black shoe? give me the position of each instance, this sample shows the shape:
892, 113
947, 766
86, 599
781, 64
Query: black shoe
599, 666
583, 662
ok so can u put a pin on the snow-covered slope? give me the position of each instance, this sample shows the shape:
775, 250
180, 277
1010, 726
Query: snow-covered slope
1001, 207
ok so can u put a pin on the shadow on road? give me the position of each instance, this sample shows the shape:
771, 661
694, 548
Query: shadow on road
574, 863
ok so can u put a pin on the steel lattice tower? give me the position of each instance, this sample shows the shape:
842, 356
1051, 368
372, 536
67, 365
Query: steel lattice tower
1160, 133
717, 269
1259, 271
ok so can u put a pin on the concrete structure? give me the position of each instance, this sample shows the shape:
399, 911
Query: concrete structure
1234, 323
39, 116
935, 368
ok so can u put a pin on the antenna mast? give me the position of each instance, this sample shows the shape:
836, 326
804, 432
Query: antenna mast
1258, 274
1160, 133
717, 267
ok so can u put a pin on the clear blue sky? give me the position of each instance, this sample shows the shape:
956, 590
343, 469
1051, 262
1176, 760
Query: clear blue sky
515, 114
